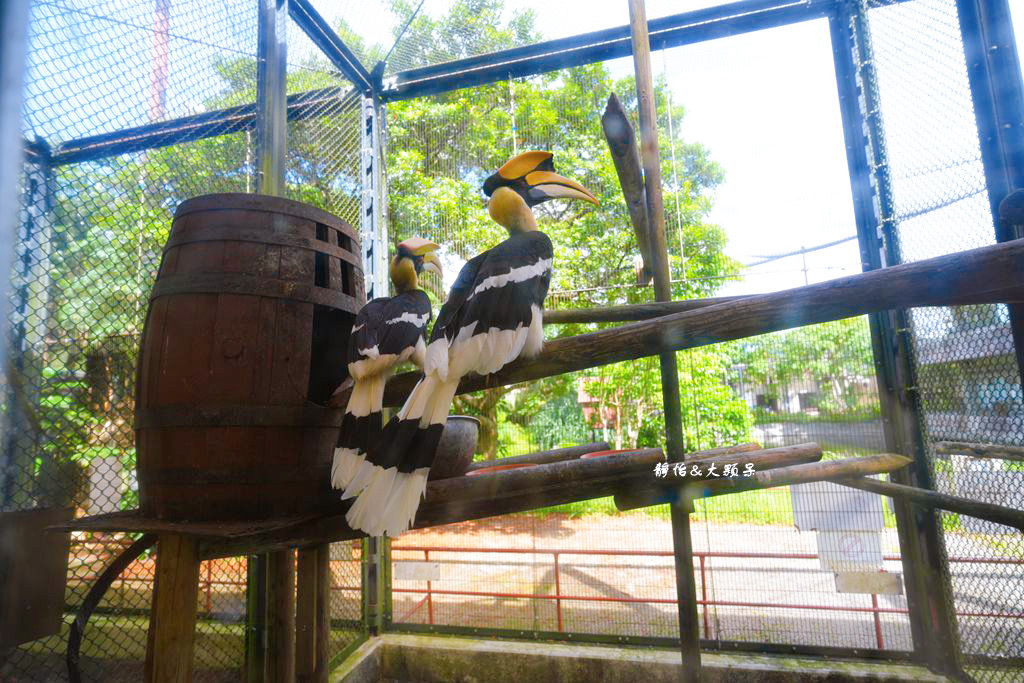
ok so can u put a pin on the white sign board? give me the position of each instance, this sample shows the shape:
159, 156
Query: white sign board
413, 570
850, 551
825, 506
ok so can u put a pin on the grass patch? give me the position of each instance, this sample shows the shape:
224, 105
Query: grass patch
761, 417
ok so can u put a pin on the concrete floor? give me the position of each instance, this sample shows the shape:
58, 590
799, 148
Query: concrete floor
401, 657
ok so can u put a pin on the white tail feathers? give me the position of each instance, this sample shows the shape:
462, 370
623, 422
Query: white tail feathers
388, 499
367, 396
368, 512
404, 500
439, 403
346, 463
364, 473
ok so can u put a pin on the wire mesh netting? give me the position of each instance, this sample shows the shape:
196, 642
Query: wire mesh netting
585, 568
967, 375
131, 108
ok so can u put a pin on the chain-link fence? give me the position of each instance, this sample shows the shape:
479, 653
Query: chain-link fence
132, 107
589, 571
968, 380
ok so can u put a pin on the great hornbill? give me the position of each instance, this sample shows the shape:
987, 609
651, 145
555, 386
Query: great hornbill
492, 316
386, 332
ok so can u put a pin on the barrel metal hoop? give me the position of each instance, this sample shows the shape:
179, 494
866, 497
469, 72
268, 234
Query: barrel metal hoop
239, 476
228, 233
236, 201
236, 283
158, 417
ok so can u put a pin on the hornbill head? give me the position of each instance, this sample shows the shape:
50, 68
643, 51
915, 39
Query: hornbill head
414, 256
524, 181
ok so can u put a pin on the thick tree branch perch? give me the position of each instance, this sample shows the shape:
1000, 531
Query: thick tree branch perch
992, 274
831, 470
981, 450
932, 499
630, 312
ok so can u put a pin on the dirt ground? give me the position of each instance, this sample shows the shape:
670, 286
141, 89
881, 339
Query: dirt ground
614, 575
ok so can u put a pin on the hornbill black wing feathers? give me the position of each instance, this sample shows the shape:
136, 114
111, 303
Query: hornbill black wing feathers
386, 332
493, 315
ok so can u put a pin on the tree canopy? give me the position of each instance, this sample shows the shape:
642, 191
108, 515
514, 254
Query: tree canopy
113, 216
440, 149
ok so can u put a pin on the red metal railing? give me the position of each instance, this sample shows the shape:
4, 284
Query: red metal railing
208, 582
558, 597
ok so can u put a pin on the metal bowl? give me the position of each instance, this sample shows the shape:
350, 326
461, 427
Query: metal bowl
455, 451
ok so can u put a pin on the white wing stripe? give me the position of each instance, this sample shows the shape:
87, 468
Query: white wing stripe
407, 317
518, 274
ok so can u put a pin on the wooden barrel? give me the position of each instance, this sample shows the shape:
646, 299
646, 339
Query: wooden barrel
244, 342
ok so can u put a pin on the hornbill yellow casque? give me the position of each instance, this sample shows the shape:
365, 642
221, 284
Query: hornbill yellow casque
492, 316
386, 332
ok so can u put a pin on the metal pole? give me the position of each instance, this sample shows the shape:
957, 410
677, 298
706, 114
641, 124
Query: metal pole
373, 228
922, 550
993, 71
271, 101
689, 626
271, 147
13, 47
30, 280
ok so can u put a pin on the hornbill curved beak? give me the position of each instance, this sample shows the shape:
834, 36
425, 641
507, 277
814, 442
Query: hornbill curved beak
532, 175
424, 248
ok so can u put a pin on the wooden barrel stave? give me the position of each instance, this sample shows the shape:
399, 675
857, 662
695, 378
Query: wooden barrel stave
243, 358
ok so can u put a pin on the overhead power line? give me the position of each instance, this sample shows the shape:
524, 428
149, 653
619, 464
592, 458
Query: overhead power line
801, 250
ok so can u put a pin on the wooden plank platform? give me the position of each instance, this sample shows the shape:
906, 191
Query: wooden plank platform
447, 501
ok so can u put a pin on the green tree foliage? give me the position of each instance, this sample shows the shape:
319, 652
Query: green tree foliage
442, 147
835, 356
113, 217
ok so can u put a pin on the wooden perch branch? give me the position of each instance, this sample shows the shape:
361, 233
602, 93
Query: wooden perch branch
544, 457
449, 500
782, 476
992, 274
630, 312
622, 144
933, 499
655, 490
981, 450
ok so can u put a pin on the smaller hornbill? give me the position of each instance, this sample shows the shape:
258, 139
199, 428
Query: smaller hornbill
492, 316
386, 332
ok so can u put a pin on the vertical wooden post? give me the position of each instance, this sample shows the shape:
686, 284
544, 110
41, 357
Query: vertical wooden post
312, 614
255, 619
305, 615
281, 617
689, 626
172, 621
323, 612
